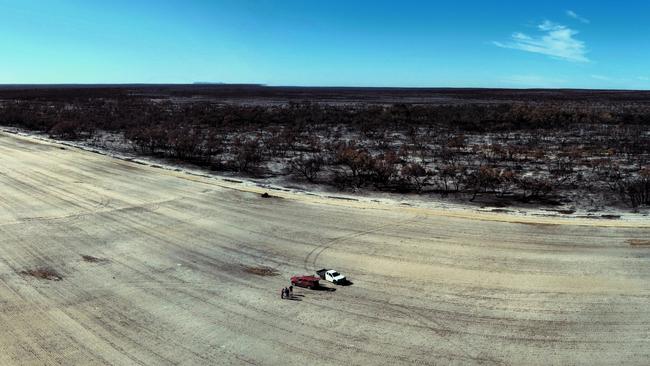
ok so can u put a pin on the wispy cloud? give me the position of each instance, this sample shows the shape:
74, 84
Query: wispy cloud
532, 81
574, 15
601, 77
625, 82
555, 40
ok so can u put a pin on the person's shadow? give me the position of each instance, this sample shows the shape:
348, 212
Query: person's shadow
295, 297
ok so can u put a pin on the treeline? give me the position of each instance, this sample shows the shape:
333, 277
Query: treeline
511, 150
120, 114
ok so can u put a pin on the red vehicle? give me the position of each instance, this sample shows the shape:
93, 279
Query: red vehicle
310, 282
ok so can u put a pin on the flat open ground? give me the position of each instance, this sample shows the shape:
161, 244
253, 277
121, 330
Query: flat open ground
166, 275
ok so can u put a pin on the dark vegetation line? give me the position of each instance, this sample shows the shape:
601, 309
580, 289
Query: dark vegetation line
540, 146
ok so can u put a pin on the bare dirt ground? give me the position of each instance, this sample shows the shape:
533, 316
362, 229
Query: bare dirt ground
104, 261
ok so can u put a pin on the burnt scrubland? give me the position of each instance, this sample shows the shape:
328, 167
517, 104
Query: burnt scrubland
588, 149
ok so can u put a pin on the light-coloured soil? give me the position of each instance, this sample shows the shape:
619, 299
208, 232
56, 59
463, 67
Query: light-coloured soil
104, 261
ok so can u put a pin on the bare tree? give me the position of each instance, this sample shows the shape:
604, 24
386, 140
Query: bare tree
483, 179
307, 166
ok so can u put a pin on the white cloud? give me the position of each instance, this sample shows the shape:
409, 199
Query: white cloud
574, 15
555, 40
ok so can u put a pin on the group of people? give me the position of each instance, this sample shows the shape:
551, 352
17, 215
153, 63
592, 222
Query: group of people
287, 293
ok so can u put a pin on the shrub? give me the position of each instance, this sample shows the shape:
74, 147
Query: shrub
534, 187
247, 155
416, 175
67, 130
636, 190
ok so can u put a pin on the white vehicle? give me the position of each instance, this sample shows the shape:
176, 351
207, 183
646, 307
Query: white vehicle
331, 276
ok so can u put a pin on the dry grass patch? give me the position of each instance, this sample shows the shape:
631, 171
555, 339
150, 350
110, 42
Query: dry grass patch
639, 242
262, 271
91, 259
43, 274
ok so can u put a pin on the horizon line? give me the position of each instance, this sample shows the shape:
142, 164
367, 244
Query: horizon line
262, 85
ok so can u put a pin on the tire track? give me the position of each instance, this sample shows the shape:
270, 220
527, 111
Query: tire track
315, 253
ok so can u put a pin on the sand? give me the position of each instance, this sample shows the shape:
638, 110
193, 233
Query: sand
139, 265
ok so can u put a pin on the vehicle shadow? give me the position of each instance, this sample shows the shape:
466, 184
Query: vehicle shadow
323, 288
346, 283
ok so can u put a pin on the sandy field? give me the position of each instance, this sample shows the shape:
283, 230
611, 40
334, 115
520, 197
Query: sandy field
108, 262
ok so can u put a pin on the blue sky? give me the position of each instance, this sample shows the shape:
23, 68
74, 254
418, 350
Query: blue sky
572, 44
